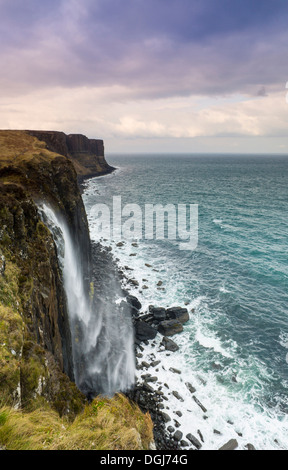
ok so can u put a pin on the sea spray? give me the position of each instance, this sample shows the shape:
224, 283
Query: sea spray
101, 327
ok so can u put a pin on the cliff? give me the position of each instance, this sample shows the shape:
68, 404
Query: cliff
36, 366
87, 155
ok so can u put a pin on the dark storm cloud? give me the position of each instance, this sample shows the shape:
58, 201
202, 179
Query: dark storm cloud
153, 47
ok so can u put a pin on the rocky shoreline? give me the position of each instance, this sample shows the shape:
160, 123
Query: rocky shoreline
166, 322
152, 395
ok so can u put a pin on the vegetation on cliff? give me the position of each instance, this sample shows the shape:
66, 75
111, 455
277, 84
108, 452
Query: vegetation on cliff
40, 406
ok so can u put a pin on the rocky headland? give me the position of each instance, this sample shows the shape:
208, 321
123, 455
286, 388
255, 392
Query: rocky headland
40, 405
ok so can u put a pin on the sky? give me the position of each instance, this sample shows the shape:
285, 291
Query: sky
194, 76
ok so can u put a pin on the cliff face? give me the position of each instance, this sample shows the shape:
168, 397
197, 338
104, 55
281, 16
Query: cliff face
87, 155
32, 293
36, 366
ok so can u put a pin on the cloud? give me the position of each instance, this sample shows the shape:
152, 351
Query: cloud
145, 69
158, 47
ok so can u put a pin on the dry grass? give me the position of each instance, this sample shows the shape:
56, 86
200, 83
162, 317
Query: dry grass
18, 146
105, 424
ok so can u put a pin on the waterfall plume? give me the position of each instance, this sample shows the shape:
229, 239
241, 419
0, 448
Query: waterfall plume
100, 323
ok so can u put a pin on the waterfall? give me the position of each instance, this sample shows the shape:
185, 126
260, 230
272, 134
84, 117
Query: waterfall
100, 324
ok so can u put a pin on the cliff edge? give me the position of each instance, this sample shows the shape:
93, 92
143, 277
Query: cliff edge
87, 155
40, 405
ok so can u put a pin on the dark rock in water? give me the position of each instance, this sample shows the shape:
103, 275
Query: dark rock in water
200, 435
199, 404
178, 435
175, 371
250, 447
144, 364
143, 331
159, 313
169, 344
151, 379
134, 302
184, 443
155, 363
190, 387
177, 395
166, 418
170, 327
216, 431
230, 445
178, 313
194, 441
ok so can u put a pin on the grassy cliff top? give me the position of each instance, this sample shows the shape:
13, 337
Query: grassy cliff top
18, 147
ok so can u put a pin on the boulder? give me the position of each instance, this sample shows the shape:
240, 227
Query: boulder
143, 331
177, 395
169, 344
159, 313
178, 313
190, 387
194, 441
178, 435
230, 445
170, 327
134, 302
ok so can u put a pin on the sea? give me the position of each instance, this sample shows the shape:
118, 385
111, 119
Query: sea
234, 283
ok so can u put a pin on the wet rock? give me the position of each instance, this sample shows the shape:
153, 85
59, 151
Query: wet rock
190, 387
144, 364
177, 395
165, 417
159, 313
200, 435
199, 404
216, 431
148, 388
151, 379
143, 331
169, 344
178, 313
230, 445
155, 363
250, 447
175, 371
134, 302
196, 443
184, 443
178, 435
170, 327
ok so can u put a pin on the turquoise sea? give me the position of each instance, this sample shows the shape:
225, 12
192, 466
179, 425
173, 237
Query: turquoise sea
234, 349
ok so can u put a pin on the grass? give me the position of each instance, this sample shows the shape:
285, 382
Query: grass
105, 424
